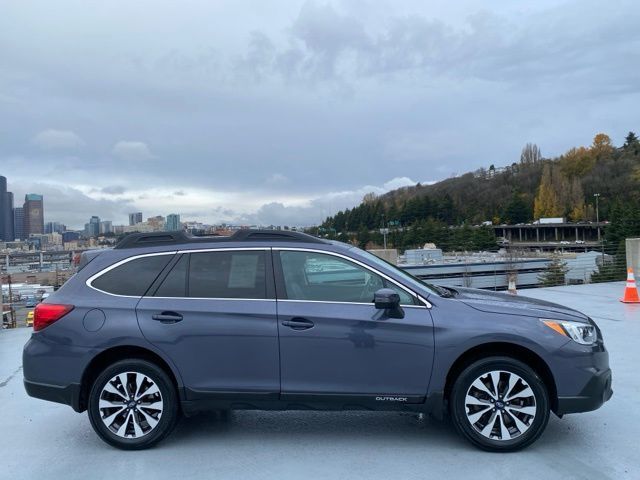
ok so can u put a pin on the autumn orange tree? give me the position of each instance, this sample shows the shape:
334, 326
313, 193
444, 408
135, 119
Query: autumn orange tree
547, 203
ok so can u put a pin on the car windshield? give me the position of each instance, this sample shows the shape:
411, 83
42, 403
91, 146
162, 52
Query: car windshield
407, 277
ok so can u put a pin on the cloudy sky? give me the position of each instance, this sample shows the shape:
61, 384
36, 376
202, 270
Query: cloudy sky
286, 111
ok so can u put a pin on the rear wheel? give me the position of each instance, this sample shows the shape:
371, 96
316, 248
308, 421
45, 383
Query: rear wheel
133, 405
499, 404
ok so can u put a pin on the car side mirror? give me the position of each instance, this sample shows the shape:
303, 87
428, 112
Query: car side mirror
388, 300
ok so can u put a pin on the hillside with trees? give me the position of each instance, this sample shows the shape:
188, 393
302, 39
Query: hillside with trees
448, 212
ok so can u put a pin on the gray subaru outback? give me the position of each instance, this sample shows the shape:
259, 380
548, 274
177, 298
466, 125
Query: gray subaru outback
166, 324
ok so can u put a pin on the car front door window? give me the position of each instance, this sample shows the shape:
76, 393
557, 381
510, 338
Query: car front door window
316, 276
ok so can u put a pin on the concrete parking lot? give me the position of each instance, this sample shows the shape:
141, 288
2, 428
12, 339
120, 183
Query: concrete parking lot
42, 440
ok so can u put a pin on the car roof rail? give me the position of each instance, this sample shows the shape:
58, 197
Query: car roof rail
154, 239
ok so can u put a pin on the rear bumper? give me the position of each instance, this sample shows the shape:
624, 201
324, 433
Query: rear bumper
68, 395
595, 393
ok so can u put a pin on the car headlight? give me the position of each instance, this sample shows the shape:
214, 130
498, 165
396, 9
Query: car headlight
583, 333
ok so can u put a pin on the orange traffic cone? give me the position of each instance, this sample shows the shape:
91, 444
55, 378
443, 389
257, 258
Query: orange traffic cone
631, 291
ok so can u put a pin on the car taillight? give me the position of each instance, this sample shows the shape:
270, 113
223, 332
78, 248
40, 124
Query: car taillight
47, 313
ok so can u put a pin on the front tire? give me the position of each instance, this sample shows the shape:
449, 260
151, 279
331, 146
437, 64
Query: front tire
499, 404
133, 405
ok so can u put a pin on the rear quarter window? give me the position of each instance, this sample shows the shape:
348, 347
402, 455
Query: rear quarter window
132, 278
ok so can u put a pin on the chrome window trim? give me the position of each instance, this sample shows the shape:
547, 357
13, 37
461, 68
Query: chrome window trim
219, 299
426, 304
369, 304
89, 281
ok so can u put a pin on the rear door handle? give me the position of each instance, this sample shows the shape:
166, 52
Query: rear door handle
298, 323
167, 317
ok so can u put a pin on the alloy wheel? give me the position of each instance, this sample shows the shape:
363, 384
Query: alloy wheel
130, 405
500, 405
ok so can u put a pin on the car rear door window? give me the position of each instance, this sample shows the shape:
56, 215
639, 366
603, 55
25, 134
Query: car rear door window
132, 278
228, 274
175, 283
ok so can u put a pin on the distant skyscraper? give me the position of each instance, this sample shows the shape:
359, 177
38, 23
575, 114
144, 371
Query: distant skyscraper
33, 214
6, 212
135, 218
173, 223
106, 226
18, 223
54, 227
92, 229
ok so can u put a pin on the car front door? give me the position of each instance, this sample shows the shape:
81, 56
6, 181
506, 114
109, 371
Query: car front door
333, 341
214, 316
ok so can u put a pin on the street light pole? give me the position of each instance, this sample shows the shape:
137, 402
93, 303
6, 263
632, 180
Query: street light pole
600, 239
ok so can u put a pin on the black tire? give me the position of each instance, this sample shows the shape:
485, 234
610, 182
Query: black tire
491, 440
166, 422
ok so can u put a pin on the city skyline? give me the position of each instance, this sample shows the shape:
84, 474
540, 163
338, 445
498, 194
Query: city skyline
31, 219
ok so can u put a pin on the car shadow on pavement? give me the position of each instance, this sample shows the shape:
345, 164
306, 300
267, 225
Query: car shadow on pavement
325, 426
353, 427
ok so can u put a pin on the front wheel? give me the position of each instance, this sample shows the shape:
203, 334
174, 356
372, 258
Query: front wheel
499, 404
133, 404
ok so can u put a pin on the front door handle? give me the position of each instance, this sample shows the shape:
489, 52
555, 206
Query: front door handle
167, 317
298, 323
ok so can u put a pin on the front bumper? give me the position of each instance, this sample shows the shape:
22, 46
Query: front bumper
594, 394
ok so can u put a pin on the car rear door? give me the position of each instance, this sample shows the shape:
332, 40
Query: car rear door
214, 315
334, 343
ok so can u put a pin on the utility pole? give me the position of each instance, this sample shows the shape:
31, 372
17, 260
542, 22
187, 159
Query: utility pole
600, 239
12, 313
384, 231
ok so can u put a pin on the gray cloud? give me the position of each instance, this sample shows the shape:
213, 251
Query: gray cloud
268, 115
113, 190
132, 151
52, 139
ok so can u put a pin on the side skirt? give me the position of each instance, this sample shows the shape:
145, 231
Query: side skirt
198, 401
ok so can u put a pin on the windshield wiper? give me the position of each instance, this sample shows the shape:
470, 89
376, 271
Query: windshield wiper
442, 291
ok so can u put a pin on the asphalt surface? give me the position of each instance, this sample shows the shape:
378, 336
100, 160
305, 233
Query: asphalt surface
42, 440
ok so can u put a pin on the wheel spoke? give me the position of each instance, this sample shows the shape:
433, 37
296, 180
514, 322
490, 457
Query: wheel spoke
504, 431
109, 420
111, 404
482, 387
520, 425
471, 400
513, 380
153, 406
527, 392
123, 428
149, 391
123, 381
139, 380
111, 389
528, 410
136, 426
150, 420
486, 430
495, 379
475, 416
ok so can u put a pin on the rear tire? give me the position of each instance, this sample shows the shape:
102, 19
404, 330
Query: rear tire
499, 404
133, 405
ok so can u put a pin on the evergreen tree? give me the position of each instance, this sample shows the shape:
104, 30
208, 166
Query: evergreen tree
555, 274
631, 140
517, 210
